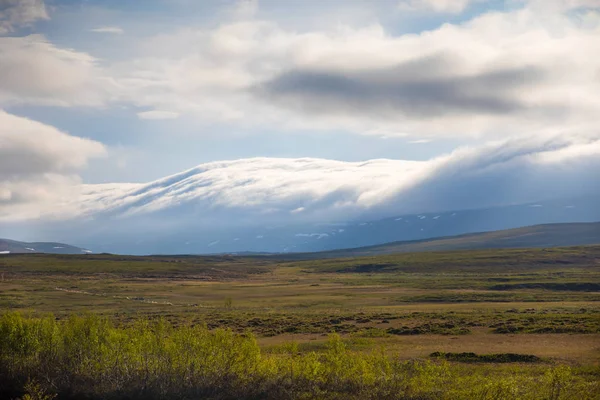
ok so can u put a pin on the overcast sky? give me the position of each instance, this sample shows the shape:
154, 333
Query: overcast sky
468, 94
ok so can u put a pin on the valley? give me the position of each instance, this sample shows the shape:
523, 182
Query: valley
537, 303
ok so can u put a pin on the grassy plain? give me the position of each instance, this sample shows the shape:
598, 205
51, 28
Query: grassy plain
531, 302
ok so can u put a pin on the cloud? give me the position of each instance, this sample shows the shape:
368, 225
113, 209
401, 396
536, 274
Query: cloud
525, 70
275, 190
20, 13
244, 9
157, 114
515, 71
507, 172
108, 29
38, 165
420, 141
565, 5
439, 6
34, 71
417, 88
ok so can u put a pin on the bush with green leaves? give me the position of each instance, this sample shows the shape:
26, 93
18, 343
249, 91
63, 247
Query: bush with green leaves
89, 357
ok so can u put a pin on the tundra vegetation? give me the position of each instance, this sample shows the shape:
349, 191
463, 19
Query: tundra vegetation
493, 324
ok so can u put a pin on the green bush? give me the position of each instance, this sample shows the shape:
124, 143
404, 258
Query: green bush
89, 357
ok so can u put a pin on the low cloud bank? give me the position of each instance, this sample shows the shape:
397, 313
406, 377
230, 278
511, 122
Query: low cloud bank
279, 190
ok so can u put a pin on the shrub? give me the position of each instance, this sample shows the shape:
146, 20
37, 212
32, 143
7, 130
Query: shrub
88, 357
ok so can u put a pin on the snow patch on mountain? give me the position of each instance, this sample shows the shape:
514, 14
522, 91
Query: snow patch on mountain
317, 235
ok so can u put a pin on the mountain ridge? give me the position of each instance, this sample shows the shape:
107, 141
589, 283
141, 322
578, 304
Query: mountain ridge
9, 246
535, 236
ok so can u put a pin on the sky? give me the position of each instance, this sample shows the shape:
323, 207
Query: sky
302, 107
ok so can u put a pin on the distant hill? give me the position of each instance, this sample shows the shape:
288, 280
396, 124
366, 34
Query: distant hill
547, 235
143, 234
12, 246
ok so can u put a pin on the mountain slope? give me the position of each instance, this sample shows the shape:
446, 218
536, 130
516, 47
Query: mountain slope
307, 205
548, 235
12, 246
166, 235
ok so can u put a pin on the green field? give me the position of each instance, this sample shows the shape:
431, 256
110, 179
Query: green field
486, 324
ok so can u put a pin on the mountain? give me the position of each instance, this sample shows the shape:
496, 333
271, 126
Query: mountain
198, 238
544, 235
12, 246
184, 233
305, 205
547, 235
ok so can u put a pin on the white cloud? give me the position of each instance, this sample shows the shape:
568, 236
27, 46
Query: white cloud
564, 5
19, 13
244, 9
439, 6
108, 29
238, 192
517, 71
420, 141
157, 114
38, 165
34, 71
